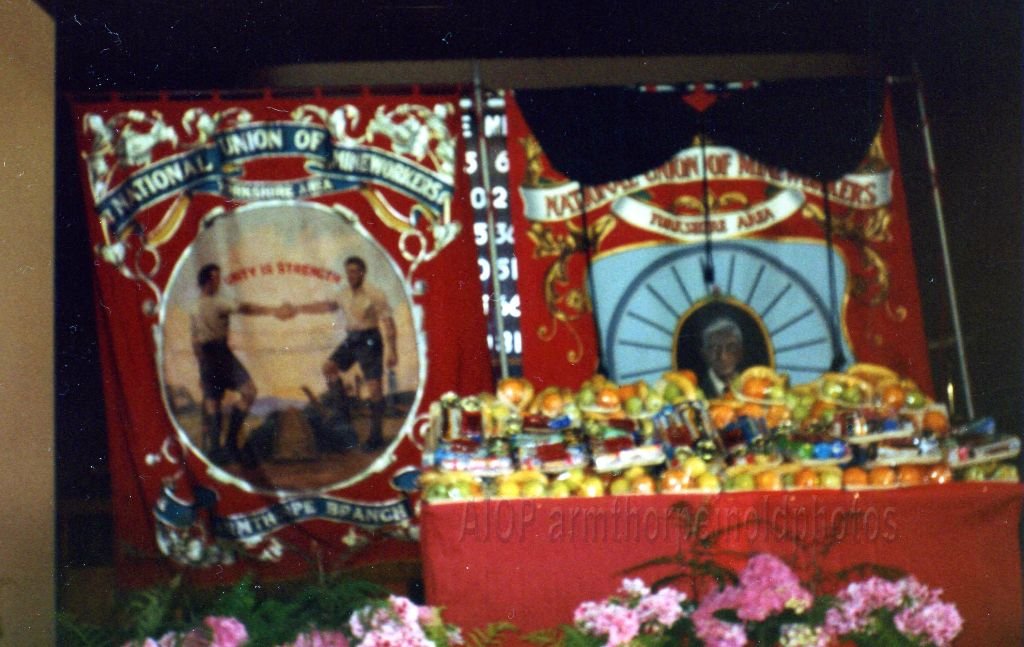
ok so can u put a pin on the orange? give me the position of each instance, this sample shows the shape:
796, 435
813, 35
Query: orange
752, 410
627, 391
689, 375
551, 404
768, 480
721, 415
882, 476
936, 421
806, 478
756, 387
674, 480
607, 398
515, 391
642, 485
939, 474
818, 408
855, 476
777, 414
909, 475
892, 397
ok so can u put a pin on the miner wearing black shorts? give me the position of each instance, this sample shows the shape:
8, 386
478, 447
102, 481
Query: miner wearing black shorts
370, 342
219, 370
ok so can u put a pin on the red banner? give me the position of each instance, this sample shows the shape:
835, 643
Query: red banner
281, 279
649, 302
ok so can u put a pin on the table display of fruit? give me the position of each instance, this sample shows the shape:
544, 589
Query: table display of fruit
978, 452
865, 428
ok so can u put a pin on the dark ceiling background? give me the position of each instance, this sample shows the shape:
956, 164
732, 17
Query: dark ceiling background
969, 55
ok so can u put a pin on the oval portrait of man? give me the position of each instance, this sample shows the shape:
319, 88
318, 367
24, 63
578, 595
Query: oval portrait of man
717, 339
289, 356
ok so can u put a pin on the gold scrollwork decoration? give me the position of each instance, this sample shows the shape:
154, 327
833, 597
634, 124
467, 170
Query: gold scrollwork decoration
566, 303
693, 204
872, 229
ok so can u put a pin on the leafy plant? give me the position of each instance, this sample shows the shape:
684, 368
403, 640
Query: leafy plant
489, 636
272, 613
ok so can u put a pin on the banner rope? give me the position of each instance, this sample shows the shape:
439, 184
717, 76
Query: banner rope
838, 359
708, 264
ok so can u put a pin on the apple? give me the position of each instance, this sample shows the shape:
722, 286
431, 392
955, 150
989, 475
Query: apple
708, 482
694, 466
1007, 473
619, 486
974, 473
573, 478
436, 491
634, 472
915, 399
742, 482
559, 490
591, 487
672, 392
634, 406
459, 491
508, 489
654, 402
831, 478
534, 489
804, 451
586, 397
851, 395
776, 392
832, 389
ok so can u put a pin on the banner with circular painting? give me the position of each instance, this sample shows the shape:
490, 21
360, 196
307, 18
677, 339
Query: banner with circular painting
279, 278
713, 261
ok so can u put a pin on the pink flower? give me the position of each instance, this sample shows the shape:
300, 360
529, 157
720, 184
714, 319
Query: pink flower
663, 607
634, 588
618, 623
227, 632
429, 616
317, 638
715, 632
918, 610
768, 586
405, 609
939, 622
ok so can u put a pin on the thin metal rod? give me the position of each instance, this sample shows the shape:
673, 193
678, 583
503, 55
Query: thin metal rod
838, 360
944, 243
492, 248
708, 263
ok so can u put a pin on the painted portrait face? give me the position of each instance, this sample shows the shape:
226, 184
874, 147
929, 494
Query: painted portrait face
723, 352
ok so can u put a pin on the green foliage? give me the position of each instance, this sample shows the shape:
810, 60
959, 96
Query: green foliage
564, 636
489, 636
151, 611
681, 633
543, 637
882, 633
272, 613
77, 634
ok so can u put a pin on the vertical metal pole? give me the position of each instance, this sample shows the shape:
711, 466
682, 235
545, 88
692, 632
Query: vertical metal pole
492, 249
947, 264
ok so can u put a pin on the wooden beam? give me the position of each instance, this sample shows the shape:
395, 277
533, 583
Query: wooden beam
569, 72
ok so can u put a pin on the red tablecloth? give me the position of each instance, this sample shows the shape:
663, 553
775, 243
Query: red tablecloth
531, 561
